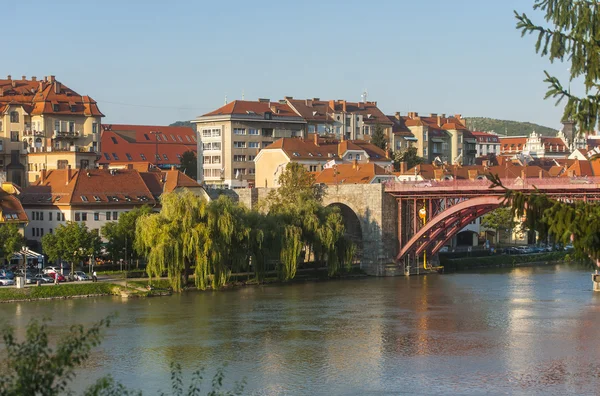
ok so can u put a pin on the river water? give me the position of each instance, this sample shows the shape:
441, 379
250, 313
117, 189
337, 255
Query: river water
518, 331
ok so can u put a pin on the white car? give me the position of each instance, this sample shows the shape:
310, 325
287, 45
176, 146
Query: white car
4, 281
81, 276
51, 270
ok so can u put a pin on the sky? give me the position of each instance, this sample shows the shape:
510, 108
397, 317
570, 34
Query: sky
155, 62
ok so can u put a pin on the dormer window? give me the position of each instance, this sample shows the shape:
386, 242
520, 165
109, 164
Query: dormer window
268, 115
349, 156
73, 107
55, 107
296, 154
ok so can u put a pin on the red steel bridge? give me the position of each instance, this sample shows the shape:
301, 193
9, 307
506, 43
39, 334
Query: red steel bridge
451, 205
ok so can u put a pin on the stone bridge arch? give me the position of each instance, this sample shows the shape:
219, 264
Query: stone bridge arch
352, 225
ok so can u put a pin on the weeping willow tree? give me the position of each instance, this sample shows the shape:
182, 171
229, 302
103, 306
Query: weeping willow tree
308, 225
169, 240
571, 34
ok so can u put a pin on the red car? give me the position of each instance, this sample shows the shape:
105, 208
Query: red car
60, 277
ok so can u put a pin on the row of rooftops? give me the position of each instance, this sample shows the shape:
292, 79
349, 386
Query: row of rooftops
46, 96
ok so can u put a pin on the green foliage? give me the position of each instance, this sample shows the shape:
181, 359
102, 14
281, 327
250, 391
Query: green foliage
378, 138
121, 234
184, 124
11, 240
189, 164
63, 290
510, 128
571, 35
499, 219
408, 155
34, 367
72, 242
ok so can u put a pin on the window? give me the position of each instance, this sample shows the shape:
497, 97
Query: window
165, 157
108, 216
114, 140
424, 151
157, 157
71, 126
180, 139
251, 157
115, 216
84, 216
50, 230
239, 131
348, 121
107, 156
84, 198
95, 127
115, 156
173, 138
14, 136
268, 115
77, 216
357, 157
33, 232
50, 216
239, 144
55, 107
239, 158
57, 216
143, 156
424, 136
146, 136
254, 144
252, 171
349, 156
265, 144
460, 138
14, 116
41, 216
216, 133
253, 132
312, 168
206, 133
41, 232
129, 157
188, 139
96, 216
239, 171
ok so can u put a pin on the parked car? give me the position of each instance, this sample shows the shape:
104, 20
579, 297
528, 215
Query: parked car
43, 278
4, 281
50, 270
81, 276
54, 275
7, 273
29, 278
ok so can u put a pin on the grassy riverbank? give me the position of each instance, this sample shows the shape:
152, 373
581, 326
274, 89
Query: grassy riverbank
467, 263
61, 291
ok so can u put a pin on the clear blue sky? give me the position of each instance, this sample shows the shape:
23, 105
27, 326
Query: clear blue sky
176, 59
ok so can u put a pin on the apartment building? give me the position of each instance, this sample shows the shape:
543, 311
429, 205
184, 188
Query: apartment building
94, 196
161, 146
230, 138
487, 143
401, 137
45, 125
534, 146
315, 153
340, 118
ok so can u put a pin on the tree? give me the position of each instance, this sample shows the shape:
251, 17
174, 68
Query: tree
571, 35
72, 242
184, 124
379, 138
408, 155
121, 234
189, 164
11, 240
499, 219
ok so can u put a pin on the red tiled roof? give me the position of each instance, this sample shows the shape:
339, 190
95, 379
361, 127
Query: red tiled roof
436, 122
245, 107
482, 137
351, 174
46, 97
10, 206
327, 149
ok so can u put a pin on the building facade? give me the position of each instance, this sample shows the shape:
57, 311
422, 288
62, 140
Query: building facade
45, 125
230, 138
487, 144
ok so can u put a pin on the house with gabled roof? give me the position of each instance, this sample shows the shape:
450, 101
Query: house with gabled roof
45, 125
315, 153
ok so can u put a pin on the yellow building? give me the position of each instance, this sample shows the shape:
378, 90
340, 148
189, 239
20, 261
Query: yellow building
315, 154
45, 125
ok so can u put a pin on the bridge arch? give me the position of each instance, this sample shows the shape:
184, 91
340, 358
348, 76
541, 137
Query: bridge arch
441, 228
352, 224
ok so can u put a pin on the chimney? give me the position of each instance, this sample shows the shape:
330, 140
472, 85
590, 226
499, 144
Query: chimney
42, 176
354, 164
523, 174
316, 139
68, 173
1, 91
472, 174
264, 100
308, 102
343, 137
9, 77
130, 166
343, 105
332, 104
24, 78
361, 105
433, 115
316, 99
541, 174
403, 167
439, 121
33, 78
397, 115
57, 87
41, 88
51, 79
14, 84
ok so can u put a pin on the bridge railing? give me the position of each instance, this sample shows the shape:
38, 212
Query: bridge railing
545, 184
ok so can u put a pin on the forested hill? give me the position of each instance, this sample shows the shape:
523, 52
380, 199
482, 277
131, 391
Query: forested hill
184, 124
504, 127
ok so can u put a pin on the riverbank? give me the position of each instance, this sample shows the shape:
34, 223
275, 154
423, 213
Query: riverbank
63, 291
502, 261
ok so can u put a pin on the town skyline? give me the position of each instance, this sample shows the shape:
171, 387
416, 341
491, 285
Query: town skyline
185, 66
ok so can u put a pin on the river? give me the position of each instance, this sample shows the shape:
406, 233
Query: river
517, 331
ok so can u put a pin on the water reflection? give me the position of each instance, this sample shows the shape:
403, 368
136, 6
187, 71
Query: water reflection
531, 330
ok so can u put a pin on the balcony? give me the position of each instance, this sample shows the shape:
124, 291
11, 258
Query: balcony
65, 135
32, 132
71, 149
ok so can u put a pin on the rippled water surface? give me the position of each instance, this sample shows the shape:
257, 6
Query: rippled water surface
519, 331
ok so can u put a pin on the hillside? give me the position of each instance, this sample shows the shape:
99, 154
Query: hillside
510, 128
184, 124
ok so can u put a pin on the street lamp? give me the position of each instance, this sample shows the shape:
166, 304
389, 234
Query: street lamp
156, 133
